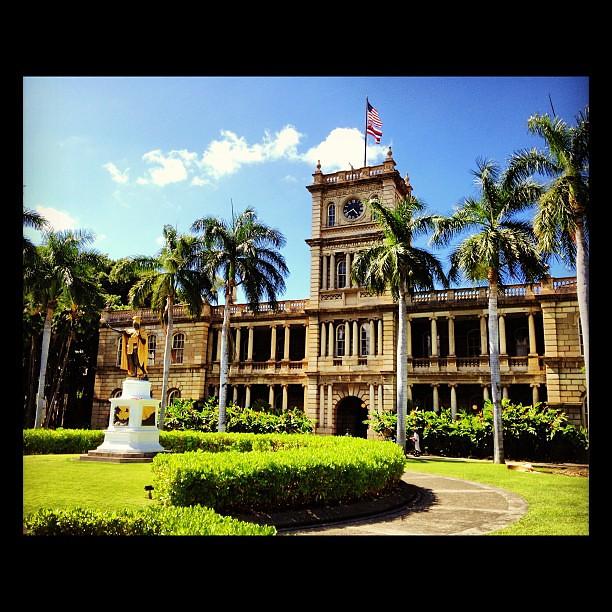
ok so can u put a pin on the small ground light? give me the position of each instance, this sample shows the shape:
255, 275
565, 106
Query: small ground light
149, 488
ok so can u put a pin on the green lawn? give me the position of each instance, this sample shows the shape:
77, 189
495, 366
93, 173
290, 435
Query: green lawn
558, 504
62, 480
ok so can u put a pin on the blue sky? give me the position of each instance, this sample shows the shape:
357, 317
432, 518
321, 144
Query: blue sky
124, 156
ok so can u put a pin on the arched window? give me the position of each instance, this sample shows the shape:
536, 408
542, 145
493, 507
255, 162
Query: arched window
364, 340
119, 345
331, 215
178, 345
116, 393
341, 273
340, 340
173, 394
152, 345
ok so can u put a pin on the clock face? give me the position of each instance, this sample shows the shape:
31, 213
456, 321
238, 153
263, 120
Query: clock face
353, 209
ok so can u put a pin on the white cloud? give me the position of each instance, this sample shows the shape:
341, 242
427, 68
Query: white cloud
343, 146
116, 174
58, 219
160, 241
171, 168
198, 182
289, 179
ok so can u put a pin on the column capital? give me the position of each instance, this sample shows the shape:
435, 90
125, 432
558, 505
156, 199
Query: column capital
451, 316
534, 385
433, 317
434, 384
451, 385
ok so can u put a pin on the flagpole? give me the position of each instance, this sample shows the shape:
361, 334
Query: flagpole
365, 134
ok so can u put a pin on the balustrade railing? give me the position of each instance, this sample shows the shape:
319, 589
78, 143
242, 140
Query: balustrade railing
468, 362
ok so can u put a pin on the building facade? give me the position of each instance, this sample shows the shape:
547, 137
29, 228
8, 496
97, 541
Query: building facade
334, 353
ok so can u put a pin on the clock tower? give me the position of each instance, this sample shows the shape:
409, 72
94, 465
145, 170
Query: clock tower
350, 341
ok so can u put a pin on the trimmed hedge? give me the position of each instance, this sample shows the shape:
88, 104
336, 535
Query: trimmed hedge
308, 470
195, 520
60, 441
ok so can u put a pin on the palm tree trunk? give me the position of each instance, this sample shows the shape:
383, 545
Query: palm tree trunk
224, 373
44, 355
31, 398
53, 404
166, 375
582, 281
498, 432
402, 370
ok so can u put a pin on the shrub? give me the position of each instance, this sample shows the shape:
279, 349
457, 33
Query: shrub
537, 433
60, 441
195, 520
203, 415
315, 470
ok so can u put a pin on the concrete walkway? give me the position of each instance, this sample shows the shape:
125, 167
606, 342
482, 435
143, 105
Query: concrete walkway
441, 506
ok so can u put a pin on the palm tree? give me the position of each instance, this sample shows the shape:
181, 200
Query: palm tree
33, 220
170, 278
499, 247
394, 263
62, 271
561, 222
243, 253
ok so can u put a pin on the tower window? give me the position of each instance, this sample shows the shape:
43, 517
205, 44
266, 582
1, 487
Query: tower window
331, 215
364, 340
341, 273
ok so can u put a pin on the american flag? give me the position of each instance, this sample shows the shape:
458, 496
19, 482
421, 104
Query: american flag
374, 123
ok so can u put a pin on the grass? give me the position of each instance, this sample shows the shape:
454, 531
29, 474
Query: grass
558, 504
59, 481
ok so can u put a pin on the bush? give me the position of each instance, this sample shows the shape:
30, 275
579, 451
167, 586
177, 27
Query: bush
195, 520
531, 433
304, 471
203, 415
60, 441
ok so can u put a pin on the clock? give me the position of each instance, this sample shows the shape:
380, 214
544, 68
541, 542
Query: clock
353, 209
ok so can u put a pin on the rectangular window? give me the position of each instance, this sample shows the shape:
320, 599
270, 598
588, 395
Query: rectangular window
178, 344
119, 345
152, 345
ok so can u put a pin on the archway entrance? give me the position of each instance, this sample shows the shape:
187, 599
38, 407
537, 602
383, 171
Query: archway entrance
350, 414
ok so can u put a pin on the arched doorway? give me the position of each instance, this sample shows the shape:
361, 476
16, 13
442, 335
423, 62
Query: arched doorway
350, 414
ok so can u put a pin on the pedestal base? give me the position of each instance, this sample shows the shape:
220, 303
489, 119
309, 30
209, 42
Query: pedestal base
118, 457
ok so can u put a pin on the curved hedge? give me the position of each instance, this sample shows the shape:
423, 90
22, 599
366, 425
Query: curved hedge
195, 520
303, 470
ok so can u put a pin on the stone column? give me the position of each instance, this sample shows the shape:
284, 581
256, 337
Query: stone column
273, 344
355, 339
285, 397
247, 396
250, 347
349, 282
380, 337
218, 345
321, 405
436, 399
380, 398
371, 339
434, 337
330, 407
532, 335
324, 281
305, 391
216, 390
485, 393
451, 336
330, 340
347, 337
484, 349
235, 394
323, 339
332, 271
286, 351
453, 394
371, 406
505, 393
237, 353
271, 396
408, 337
535, 392
502, 334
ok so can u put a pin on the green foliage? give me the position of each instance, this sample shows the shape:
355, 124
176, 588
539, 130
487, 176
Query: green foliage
60, 441
536, 433
195, 520
302, 471
189, 414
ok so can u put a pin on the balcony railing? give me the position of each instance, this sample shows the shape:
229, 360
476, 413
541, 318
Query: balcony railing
289, 306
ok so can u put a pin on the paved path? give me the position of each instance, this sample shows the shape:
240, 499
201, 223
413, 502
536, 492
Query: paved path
443, 506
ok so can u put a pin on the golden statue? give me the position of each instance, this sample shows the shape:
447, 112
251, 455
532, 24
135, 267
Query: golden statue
134, 353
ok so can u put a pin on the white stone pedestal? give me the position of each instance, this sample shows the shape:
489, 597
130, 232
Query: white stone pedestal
132, 432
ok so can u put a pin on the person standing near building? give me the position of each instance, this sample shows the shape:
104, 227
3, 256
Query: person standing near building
417, 444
